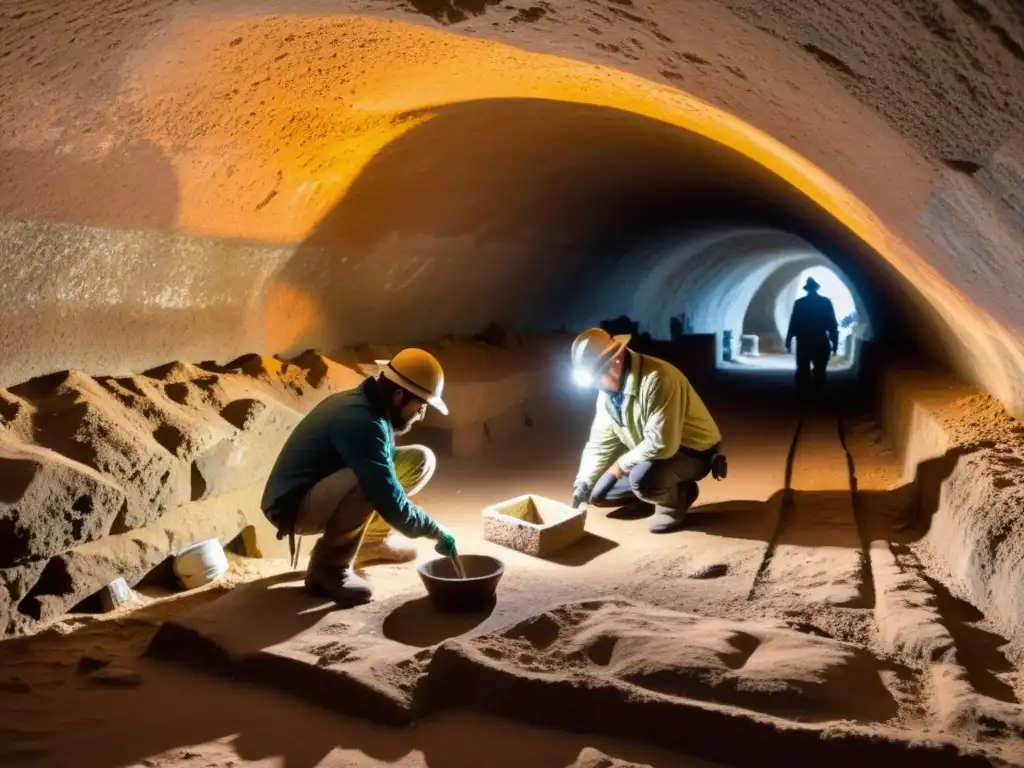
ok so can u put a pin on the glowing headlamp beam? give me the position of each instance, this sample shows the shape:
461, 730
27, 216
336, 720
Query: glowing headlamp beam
582, 378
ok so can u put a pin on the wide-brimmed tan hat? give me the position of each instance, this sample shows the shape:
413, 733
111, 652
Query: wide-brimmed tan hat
595, 348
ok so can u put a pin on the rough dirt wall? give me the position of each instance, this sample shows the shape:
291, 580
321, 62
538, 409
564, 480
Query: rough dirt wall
329, 207
960, 452
106, 477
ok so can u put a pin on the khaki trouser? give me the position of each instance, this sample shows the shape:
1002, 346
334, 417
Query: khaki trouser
337, 508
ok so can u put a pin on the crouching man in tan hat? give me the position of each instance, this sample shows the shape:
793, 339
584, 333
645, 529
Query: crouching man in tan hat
652, 438
340, 474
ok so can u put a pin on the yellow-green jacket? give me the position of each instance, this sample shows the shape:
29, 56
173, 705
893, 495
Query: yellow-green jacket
661, 411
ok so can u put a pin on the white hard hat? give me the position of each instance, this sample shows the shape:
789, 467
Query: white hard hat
419, 372
594, 349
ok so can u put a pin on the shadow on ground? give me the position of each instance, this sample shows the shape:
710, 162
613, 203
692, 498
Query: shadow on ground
417, 623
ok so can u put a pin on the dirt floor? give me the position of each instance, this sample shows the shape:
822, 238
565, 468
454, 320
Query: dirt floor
768, 627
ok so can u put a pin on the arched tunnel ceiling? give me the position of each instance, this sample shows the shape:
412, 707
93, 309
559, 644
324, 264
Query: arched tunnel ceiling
208, 179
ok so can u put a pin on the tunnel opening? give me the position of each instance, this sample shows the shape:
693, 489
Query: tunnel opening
759, 340
558, 215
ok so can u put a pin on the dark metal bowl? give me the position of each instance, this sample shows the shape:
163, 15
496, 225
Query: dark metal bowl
450, 593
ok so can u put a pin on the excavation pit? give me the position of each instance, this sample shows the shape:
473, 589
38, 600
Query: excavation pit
534, 525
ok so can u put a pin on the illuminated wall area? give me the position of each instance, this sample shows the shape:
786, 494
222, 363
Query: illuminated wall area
222, 184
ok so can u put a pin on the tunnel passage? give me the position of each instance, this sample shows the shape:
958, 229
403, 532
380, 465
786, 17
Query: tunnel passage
769, 309
541, 215
718, 281
259, 127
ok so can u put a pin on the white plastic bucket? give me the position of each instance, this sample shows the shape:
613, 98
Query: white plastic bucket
200, 563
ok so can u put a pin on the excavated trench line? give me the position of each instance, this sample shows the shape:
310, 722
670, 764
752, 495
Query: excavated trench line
817, 526
819, 543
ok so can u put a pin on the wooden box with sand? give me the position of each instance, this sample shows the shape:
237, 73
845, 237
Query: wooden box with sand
533, 524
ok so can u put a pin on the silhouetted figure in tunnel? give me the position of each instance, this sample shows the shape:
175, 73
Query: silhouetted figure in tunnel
813, 324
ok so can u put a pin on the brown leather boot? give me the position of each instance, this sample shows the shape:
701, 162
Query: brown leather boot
342, 585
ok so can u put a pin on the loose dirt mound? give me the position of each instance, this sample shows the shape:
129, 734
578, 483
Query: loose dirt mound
107, 476
761, 666
716, 688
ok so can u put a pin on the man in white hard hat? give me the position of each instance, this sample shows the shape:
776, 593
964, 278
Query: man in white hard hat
340, 474
652, 438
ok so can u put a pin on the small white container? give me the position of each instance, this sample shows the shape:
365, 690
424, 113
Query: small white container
534, 525
200, 563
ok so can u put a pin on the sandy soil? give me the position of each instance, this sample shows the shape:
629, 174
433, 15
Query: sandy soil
163, 716
765, 614
792, 606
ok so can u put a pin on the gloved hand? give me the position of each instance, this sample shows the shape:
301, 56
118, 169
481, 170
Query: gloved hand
580, 494
445, 542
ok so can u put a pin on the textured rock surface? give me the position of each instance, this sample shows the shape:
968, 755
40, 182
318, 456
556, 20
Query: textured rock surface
51, 503
962, 453
198, 185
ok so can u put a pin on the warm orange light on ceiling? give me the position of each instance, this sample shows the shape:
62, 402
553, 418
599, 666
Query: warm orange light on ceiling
269, 121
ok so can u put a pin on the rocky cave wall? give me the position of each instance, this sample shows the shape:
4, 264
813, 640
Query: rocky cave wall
206, 181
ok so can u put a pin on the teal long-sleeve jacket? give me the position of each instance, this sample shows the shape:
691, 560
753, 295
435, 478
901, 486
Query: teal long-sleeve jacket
347, 430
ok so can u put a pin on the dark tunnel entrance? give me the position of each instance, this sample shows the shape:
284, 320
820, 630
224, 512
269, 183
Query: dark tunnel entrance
545, 215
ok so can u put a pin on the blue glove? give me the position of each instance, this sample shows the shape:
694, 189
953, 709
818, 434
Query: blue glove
445, 542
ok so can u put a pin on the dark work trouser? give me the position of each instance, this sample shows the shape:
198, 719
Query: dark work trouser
811, 355
668, 482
